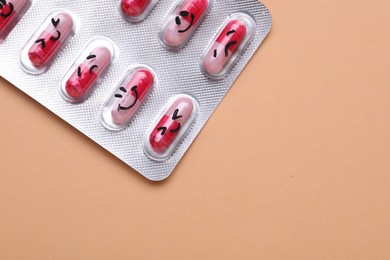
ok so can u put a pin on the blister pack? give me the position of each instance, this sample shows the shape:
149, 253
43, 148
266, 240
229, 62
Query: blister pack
139, 77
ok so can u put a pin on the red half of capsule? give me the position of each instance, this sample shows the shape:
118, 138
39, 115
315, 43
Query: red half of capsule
88, 72
192, 10
9, 10
171, 125
134, 8
50, 40
130, 97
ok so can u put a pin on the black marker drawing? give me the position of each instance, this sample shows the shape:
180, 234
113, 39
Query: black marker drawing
3, 3
175, 116
55, 22
133, 89
42, 42
185, 14
162, 129
52, 38
230, 44
79, 71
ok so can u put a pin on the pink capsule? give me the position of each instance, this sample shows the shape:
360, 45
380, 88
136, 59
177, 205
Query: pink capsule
87, 73
128, 98
182, 24
172, 126
48, 44
10, 12
223, 48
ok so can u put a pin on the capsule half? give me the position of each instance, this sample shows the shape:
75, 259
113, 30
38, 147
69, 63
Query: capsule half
137, 10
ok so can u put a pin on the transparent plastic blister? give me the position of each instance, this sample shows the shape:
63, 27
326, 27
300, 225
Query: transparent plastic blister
48, 41
128, 97
136, 10
181, 23
231, 40
170, 127
11, 11
88, 70
95, 79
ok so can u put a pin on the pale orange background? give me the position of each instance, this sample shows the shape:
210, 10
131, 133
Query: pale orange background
302, 171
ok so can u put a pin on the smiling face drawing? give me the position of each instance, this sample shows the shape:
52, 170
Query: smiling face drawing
86, 74
131, 93
182, 24
6, 9
227, 43
10, 13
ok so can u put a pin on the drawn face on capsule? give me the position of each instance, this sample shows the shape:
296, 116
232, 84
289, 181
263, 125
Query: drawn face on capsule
226, 44
130, 95
6, 9
87, 73
181, 24
170, 126
49, 41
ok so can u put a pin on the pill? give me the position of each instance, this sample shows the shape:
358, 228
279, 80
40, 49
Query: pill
224, 47
229, 43
128, 98
9, 11
134, 8
85, 76
171, 127
182, 23
50, 40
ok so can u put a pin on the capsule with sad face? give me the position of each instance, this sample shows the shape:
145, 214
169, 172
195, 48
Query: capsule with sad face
230, 42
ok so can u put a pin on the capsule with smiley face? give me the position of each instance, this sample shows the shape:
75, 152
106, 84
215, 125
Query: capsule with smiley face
232, 39
11, 11
136, 10
88, 70
127, 98
45, 45
182, 22
171, 127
